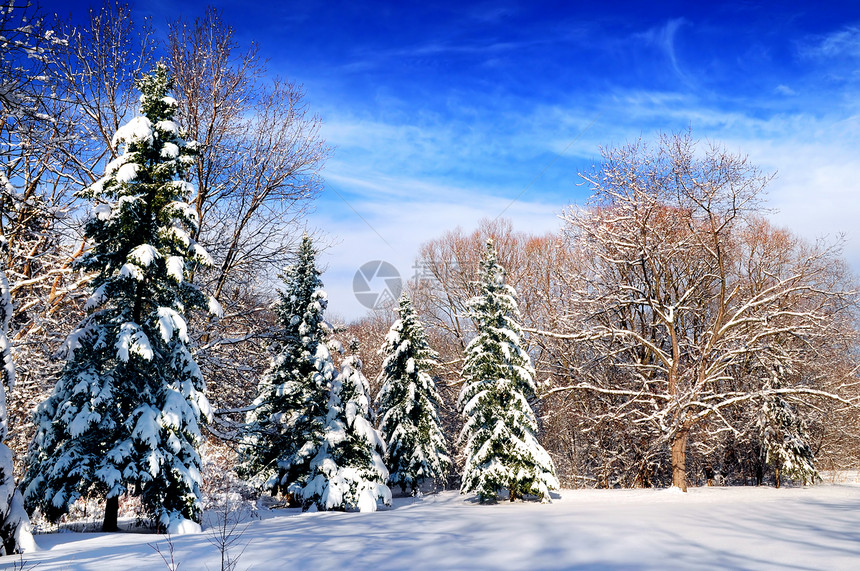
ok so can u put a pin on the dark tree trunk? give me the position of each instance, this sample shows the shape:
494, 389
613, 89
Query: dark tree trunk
710, 474
111, 514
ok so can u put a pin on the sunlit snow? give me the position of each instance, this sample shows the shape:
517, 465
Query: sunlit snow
707, 528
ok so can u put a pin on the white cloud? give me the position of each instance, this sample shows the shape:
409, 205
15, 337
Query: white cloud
816, 192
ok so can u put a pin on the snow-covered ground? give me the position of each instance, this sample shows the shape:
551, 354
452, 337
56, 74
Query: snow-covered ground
726, 528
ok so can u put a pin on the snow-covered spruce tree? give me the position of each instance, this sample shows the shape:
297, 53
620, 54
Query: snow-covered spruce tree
15, 533
784, 437
502, 452
285, 429
348, 472
408, 404
124, 417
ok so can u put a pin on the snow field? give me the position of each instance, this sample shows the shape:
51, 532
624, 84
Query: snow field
707, 528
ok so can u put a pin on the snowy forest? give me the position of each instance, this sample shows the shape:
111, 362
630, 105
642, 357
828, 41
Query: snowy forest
166, 344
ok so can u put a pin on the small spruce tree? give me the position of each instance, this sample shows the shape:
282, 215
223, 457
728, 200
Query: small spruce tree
286, 427
15, 532
348, 472
408, 404
784, 437
125, 415
501, 452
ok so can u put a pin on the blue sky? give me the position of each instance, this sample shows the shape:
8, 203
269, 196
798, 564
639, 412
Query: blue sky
443, 113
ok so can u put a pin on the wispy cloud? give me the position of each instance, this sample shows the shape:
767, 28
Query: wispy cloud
501, 149
844, 42
664, 38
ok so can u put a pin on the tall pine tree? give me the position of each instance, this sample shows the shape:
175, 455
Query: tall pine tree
15, 532
408, 404
348, 473
285, 429
502, 452
124, 417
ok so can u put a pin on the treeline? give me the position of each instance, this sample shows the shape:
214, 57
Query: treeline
677, 334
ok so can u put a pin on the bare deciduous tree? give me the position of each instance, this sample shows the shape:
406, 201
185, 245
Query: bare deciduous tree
676, 309
33, 199
80, 90
257, 171
94, 74
260, 150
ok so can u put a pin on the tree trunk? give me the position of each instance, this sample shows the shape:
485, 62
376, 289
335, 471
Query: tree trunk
777, 476
679, 460
111, 514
